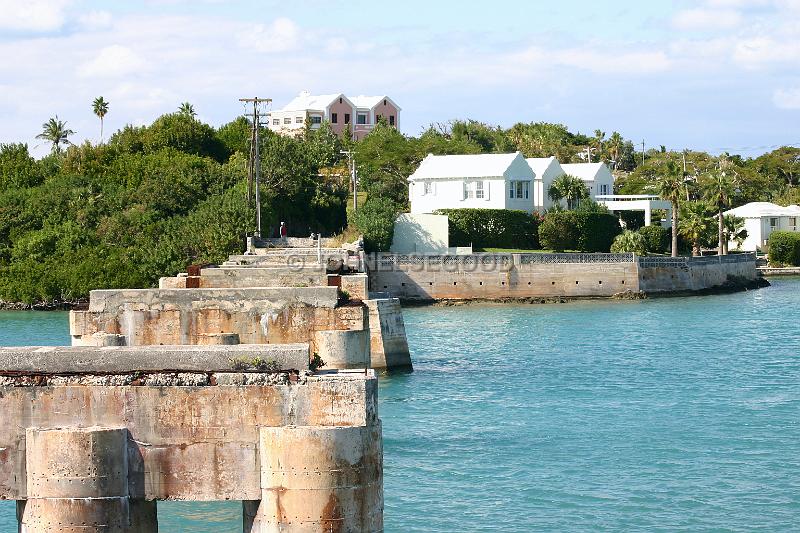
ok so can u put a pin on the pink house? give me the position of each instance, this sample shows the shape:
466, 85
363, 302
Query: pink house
359, 113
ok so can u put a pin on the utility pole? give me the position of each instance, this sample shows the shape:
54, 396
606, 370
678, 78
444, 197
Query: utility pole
642, 151
351, 162
254, 163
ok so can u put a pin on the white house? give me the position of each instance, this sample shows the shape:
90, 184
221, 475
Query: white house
596, 176
546, 170
488, 181
359, 114
761, 219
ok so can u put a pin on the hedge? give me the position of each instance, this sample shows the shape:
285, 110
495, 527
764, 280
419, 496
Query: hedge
559, 231
629, 241
657, 239
575, 230
784, 248
492, 228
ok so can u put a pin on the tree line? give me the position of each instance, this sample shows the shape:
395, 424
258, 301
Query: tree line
153, 199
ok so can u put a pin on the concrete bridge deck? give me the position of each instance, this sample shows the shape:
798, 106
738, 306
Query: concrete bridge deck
303, 452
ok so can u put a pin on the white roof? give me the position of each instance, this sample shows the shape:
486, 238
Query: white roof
584, 171
463, 166
540, 164
764, 209
306, 100
366, 101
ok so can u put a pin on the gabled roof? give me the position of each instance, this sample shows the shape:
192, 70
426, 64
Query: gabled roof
540, 164
306, 100
464, 166
584, 171
368, 102
764, 209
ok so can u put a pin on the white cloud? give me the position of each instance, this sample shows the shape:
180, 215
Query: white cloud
33, 15
761, 51
787, 98
112, 61
705, 19
280, 36
95, 20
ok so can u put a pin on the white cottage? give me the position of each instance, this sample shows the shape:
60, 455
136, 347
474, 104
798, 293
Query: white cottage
761, 219
546, 170
596, 176
487, 181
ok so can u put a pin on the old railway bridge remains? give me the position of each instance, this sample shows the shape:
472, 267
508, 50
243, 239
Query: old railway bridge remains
211, 387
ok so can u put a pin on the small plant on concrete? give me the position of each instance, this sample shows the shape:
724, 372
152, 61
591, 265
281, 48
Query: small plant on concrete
316, 362
269, 365
344, 295
238, 363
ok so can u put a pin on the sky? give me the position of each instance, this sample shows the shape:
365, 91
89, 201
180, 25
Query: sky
713, 75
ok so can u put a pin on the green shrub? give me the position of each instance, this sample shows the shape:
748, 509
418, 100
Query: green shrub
375, 220
629, 241
576, 230
596, 231
559, 231
492, 228
784, 248
657, 239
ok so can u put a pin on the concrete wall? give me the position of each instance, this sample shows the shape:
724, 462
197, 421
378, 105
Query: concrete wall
421, 233
497, 276
233, 277
188, 316
503, 276
666, 274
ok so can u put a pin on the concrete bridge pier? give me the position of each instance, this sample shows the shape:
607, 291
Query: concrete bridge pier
77, 482
318, 479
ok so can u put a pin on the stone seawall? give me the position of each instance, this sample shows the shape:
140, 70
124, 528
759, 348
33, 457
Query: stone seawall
501, 276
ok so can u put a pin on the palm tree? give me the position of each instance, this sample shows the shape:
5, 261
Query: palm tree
615, 145
734, 231
187, 109
671, 186
718, 190
597, 144
569, 188
100, 108
695, 223
56, 132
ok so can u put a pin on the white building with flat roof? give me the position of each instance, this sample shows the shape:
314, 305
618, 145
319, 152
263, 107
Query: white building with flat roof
761, 219
487, 181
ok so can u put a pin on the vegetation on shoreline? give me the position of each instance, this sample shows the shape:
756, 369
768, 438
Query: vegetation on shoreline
156, 198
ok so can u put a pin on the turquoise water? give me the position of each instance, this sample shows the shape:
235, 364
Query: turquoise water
658, 415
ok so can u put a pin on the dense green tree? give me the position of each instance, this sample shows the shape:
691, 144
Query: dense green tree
235, 135
17, 167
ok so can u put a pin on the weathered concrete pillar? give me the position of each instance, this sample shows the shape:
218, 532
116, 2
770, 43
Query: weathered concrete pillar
77, 481
343, 349
319, 479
